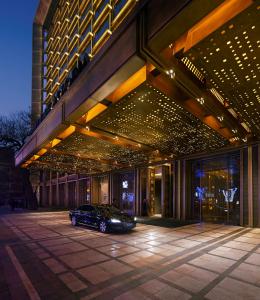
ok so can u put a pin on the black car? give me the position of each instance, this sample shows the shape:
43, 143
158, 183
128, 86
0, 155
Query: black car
104, 217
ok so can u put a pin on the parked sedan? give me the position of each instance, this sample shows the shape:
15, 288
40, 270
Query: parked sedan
104, 217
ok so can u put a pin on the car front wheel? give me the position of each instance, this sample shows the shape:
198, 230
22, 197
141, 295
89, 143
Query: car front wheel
103, 226
74, 221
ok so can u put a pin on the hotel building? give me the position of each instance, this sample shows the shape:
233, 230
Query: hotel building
150, 105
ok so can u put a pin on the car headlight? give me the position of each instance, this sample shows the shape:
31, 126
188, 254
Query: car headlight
135, 218
115, 221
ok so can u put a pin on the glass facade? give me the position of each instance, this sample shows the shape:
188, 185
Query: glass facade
215, 189
124, 191
79, 30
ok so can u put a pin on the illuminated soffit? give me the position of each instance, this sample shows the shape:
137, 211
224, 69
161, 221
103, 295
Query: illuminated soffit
229, 60
149, 117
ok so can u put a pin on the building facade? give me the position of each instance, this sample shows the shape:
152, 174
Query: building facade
152, 106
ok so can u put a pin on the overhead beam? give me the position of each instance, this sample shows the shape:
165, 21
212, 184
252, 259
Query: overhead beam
214, 20
130, 84
112, 138
188, 82
67, 166
85, 157
123, 89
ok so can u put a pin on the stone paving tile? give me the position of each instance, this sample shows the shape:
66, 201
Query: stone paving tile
117, 249
201, 238
189, 277
191, 230
104, 271
140, 258
179, 235
185, 243
143, 246
81, 259
66, 248
166, 250
212, 262
154, 243
172, 248
54, 265
253, 259
257, 250
94, 274
161, 251
239, 245
226, 252
38, 251
248, 240
137, 242
133, 295
156, 290
56, 241
252, 235
32, 245
86, 236
212, 234
230, 289
114, 267
72, 282
43, 255
247, 272
97, 242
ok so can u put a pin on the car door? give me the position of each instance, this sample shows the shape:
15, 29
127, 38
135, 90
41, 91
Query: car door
82, 214
90, 215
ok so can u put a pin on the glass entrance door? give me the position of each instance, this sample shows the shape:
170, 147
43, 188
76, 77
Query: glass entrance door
215, 190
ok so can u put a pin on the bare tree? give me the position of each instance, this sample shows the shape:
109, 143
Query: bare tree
14, 129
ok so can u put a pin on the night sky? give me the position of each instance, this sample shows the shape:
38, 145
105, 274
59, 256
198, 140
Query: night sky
16, 18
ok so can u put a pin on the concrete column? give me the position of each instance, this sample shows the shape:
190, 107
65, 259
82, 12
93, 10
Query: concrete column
77, 192
183, 185
258, 185
57, 190
44, 189
178, 191
91, 189
137, 192
241, 197
250, 187
174, 190
50, 190
110, 188
66, 191
165, 191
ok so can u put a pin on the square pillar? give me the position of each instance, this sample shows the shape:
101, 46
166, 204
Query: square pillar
66, 187
250, 187
77, 200
57, 190
178, 190
110, 188
44, 189
50, 190
258, 186
241, 196
137, 192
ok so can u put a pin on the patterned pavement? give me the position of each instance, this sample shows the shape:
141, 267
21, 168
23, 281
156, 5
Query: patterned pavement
199, 261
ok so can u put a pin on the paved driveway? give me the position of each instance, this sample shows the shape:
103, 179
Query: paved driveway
47, 258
